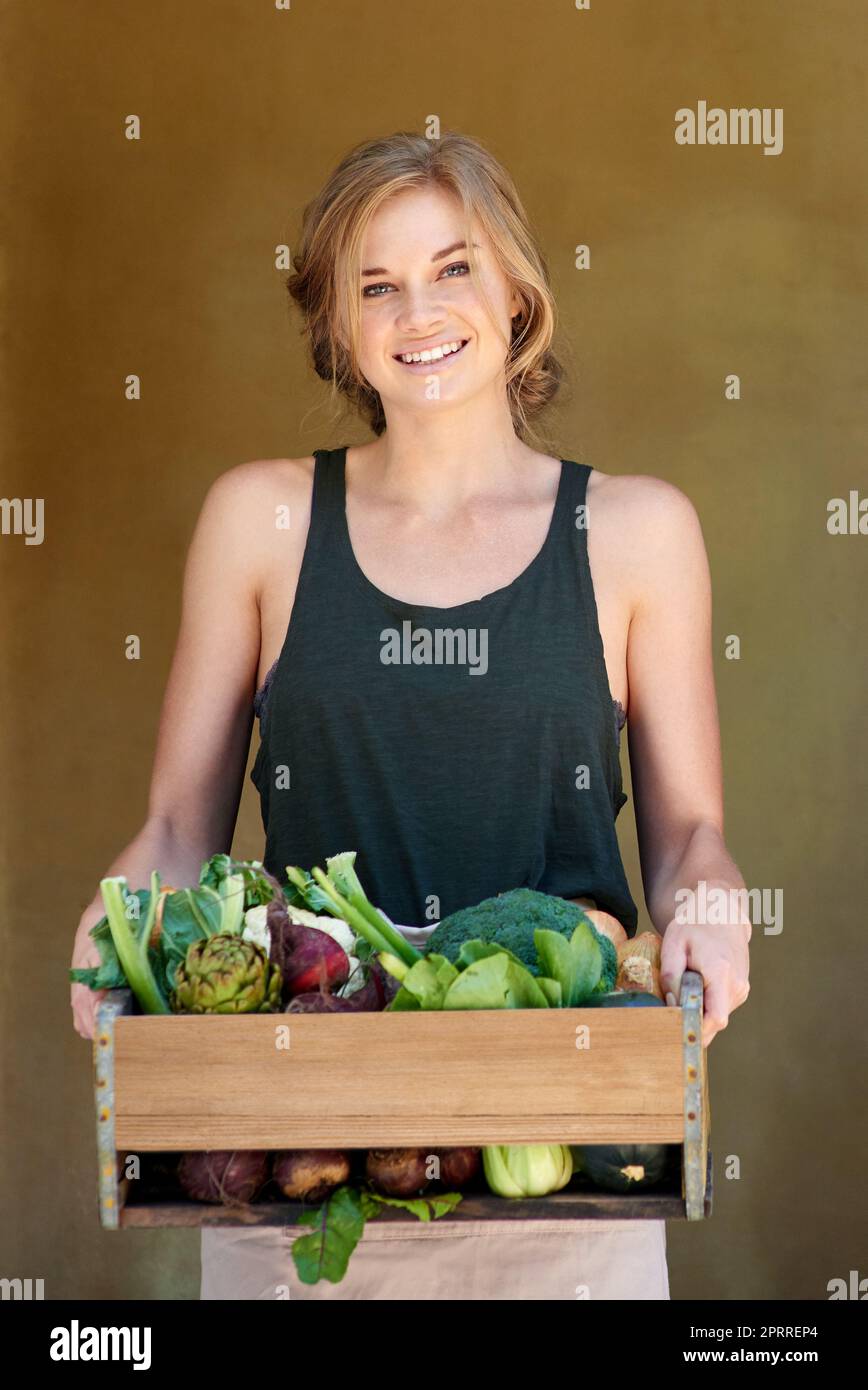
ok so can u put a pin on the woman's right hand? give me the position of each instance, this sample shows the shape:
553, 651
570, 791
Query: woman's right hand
82, 998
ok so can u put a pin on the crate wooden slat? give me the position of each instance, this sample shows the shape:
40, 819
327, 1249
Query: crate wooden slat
476, 1077
277, 1081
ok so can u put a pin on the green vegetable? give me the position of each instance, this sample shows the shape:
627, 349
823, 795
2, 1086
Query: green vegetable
496, 982
226, 975
576, 964
425, 985
153, 928
624, 1167
259, 885
340, 893
130, 935
510, 920
527, 1170
486, 976
340, 1223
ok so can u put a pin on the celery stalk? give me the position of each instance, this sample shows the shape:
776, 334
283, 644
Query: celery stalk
131, 942
379, 933
341, 869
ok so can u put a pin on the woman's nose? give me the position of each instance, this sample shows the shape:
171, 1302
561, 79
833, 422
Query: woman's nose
421, 310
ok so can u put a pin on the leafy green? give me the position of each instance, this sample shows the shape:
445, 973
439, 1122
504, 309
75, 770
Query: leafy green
552, 991
487, 976
495, 982
425, 985
304, 891
426, 1208
339, 1224
472, 951
576, 965
338, 1227
214, 908
259, 885
510, 920
181, 927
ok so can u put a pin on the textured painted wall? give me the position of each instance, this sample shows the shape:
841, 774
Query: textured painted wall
156, 257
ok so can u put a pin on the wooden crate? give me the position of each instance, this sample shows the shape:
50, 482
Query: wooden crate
357, 1081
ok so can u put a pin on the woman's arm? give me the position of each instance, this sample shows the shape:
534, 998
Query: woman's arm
205, 724
675, 759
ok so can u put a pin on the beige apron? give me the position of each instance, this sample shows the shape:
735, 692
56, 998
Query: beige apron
550, 1259
495, 1260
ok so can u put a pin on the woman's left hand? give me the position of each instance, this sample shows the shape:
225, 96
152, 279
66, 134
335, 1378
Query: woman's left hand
720, 955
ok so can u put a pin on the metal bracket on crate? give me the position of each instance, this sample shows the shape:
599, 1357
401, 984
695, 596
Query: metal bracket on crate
697, 1114
116, 1003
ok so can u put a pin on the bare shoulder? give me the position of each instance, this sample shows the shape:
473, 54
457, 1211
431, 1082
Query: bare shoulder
255, 514
259, 483
639, 500
649, 527
260, 497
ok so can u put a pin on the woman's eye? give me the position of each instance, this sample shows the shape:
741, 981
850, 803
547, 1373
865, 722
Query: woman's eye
373, 291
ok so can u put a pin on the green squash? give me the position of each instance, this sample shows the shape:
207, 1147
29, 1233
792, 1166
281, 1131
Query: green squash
624, 1167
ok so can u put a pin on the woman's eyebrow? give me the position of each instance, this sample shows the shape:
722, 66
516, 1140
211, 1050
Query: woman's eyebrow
438, 256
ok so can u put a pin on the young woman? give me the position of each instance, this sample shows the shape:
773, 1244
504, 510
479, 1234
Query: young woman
558, 598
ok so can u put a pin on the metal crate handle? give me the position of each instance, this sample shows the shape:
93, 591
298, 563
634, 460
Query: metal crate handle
696, 1178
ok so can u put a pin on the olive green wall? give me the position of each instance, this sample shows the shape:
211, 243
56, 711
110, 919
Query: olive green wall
156, 257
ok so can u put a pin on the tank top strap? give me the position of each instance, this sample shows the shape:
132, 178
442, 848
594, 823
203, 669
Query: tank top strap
569, 548
571, 517
575, 570
327, 499
324, 556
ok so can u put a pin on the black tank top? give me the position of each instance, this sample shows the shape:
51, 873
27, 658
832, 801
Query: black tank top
460, 751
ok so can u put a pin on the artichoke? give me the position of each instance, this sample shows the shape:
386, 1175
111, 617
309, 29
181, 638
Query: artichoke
226, 975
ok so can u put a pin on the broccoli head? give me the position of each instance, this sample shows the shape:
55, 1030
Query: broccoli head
510, 920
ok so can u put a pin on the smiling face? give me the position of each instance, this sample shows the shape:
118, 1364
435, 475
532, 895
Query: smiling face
421, 311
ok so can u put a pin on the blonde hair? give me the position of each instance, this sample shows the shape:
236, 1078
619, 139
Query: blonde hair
328, 262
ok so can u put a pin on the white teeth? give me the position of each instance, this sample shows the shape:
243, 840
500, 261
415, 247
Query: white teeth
431, 354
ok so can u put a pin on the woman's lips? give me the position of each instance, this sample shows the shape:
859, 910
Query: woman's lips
437, 364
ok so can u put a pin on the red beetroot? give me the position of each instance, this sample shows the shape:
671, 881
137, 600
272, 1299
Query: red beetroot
371, 998
458, 1167
397, 1172
219, 1175
308, 959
